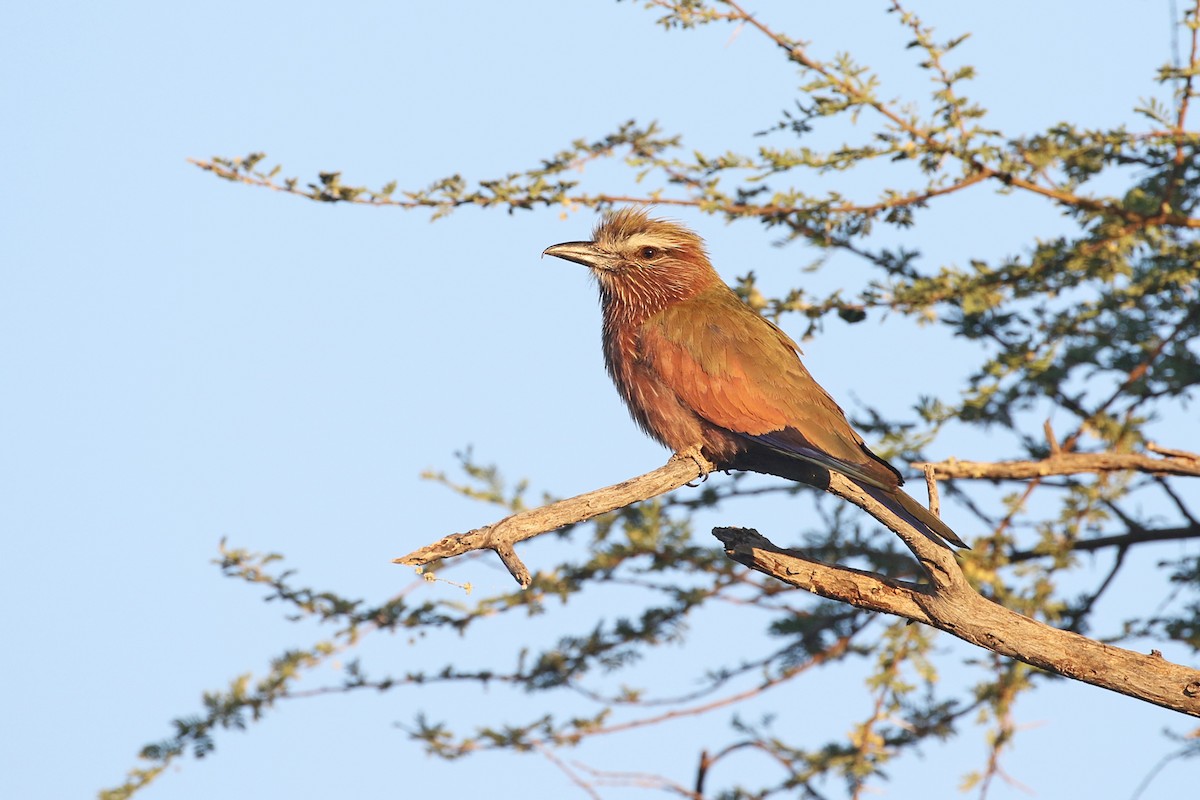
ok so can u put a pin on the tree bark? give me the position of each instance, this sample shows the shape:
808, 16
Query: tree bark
960, 611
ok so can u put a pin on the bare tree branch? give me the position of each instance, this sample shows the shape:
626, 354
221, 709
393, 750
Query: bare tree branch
856, 587
1178, 501
1167, 451
1178, 462
502, 535
1120, 540
951, 605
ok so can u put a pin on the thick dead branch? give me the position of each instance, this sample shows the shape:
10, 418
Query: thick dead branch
1176, 462
936, 558
856, 587
502, 535
956, 608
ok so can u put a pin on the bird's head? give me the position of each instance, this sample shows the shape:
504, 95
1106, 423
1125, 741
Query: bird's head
641, 261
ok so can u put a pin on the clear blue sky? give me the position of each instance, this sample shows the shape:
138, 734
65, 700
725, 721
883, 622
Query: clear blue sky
185, 359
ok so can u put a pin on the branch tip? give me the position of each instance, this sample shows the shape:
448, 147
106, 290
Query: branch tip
1051, 439
935, 502
514, 564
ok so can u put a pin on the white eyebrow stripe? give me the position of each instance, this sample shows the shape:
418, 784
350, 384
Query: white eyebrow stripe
648, 240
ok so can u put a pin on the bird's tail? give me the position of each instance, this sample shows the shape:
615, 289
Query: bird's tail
773, 462
915, 514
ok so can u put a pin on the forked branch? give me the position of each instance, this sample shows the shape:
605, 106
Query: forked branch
946, 601
501, 536
956, 608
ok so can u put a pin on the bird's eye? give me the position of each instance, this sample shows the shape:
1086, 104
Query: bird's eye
649, 253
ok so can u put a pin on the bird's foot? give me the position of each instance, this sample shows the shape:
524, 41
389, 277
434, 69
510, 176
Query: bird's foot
703, 465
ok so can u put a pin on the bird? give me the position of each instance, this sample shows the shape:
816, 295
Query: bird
699, 370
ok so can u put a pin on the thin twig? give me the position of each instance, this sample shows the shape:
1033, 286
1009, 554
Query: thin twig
1118, 540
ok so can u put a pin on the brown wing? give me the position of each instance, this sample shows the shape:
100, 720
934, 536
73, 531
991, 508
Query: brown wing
740, 372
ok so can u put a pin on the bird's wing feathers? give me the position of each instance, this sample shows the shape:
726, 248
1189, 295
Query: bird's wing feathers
740, 372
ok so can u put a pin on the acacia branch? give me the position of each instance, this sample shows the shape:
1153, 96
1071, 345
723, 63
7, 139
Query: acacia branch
501, 536
860, 93
949, 603
1174, 462
366, 198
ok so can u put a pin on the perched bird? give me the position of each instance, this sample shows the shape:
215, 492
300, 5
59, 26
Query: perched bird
698, 368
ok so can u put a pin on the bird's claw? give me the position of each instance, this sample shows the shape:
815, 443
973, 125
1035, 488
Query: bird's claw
702, 463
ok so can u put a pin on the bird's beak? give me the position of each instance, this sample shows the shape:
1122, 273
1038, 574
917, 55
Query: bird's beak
585, 253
